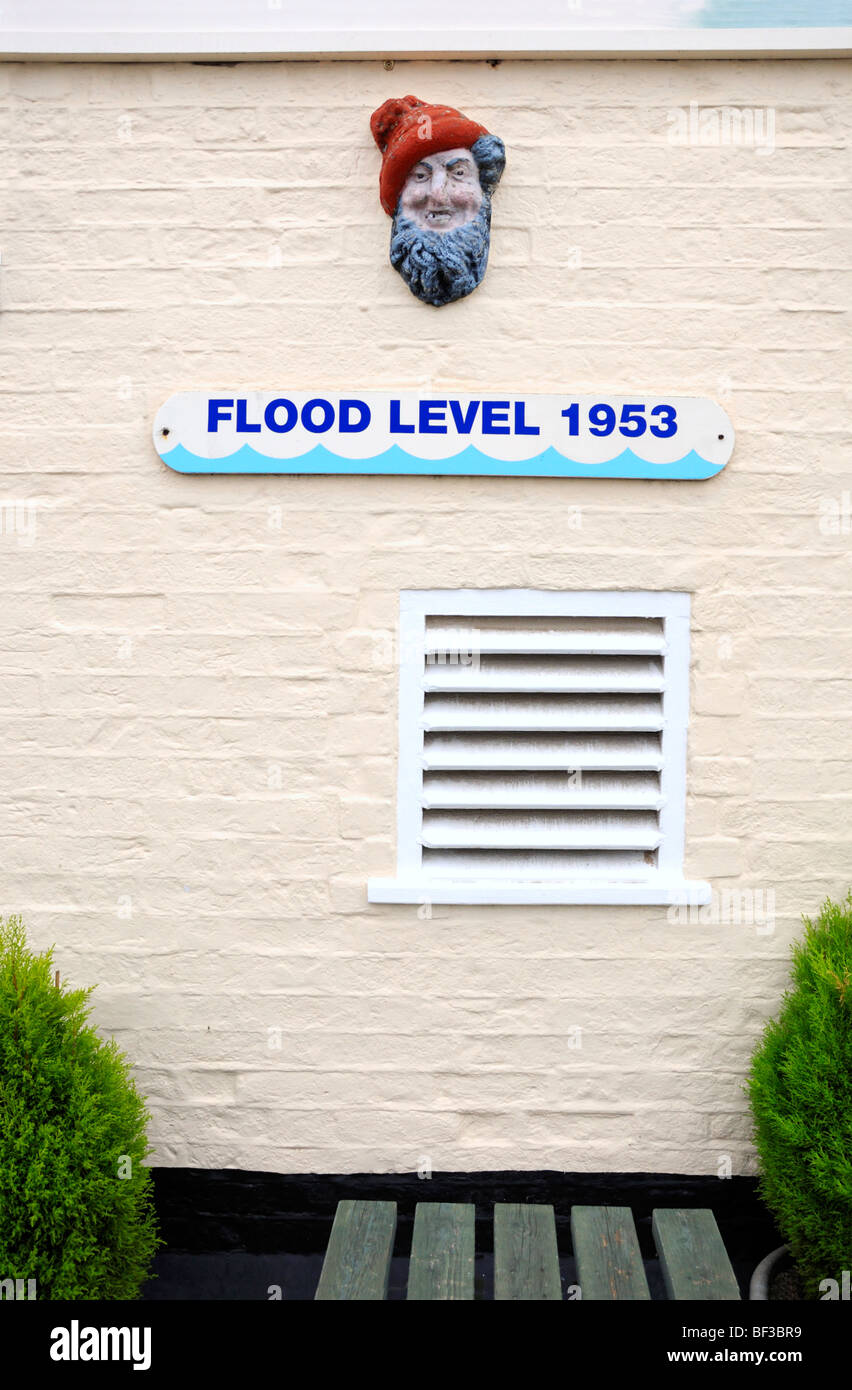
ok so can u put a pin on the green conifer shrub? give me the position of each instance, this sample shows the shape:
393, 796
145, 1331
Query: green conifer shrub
76, 1209
800, 1090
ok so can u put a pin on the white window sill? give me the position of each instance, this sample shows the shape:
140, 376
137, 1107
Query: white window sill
662, 891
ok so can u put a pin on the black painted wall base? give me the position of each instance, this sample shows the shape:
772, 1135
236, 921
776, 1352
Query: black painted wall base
227, 1210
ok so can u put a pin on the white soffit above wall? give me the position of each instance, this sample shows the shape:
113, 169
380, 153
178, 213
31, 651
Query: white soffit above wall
233, 29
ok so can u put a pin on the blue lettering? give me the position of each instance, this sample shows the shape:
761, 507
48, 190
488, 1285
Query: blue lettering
395, 426
327, 415
464, 422
216, 411
520, 426
430, 413
243, 427
495, 410
269, 415
346, 425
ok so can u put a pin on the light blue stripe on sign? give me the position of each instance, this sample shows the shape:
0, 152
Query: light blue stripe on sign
471, 462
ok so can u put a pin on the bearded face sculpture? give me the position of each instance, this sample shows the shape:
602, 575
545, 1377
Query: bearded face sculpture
439, 171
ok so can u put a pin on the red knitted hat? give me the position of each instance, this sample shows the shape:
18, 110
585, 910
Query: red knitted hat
406, 130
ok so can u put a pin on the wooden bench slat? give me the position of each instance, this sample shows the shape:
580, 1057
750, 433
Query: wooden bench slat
694, 1260
526, 1261
606, 1248
357, 1261
442, 1251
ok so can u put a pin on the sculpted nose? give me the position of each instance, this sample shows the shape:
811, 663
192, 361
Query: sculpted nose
439, 186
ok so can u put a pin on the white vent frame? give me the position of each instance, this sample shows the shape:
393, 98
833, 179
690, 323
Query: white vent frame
666, 883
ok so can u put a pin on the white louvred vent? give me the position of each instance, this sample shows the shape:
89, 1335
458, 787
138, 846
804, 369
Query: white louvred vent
542, 748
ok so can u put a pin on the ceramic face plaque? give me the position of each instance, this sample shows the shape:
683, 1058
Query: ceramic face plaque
439, 171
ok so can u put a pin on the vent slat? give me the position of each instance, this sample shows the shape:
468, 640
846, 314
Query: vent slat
471, 830
503, 753
542, 713
569, 790
539, 636
607, 675
538, 866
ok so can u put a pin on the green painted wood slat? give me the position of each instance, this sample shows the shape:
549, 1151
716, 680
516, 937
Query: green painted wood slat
442, 1251
606, 1248
357, 1261
526, 1261
694, 1260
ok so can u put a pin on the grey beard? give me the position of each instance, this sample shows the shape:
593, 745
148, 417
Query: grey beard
439, 267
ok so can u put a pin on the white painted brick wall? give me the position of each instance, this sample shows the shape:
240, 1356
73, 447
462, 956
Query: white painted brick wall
198, 708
